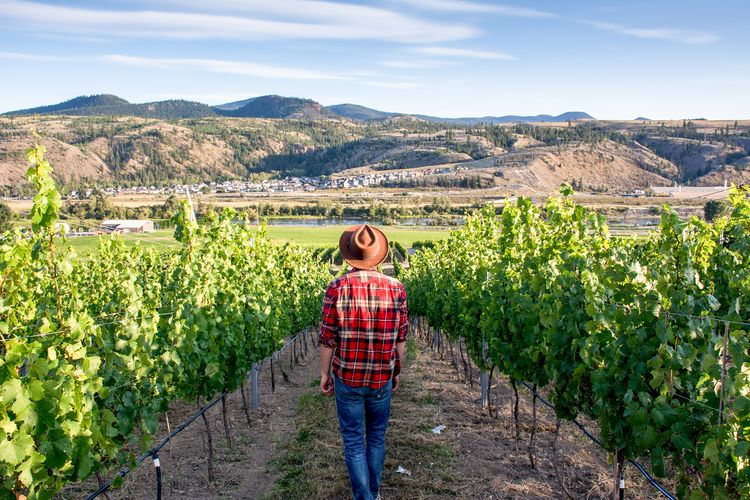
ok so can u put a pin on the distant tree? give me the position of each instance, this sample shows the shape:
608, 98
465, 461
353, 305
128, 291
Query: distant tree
99, 207
714, 209
337, 210
6, 218
170, 206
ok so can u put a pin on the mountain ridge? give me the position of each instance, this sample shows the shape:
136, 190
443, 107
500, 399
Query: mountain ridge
266, 106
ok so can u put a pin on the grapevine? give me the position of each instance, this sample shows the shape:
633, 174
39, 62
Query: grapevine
630, 333
94, 350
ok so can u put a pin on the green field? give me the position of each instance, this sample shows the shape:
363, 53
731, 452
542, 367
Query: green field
303, 235
329, 235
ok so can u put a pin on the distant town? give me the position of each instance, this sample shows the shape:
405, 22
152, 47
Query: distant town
285, 185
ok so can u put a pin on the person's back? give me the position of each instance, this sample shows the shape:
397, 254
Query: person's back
363, 335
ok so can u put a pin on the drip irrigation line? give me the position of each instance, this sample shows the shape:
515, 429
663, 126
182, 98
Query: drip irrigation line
593, 438
154, 451
651, 480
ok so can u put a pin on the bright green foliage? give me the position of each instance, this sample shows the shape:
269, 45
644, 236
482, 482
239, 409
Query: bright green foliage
94, 350
628, 333
47, 201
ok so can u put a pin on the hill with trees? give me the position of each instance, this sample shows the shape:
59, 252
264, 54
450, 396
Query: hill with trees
111, 105
109, 151
357, 112
276, 106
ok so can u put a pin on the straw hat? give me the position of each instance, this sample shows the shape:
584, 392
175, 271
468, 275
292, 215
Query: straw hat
363, 246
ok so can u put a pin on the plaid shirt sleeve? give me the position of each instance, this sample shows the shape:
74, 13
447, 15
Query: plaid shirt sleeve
329, 327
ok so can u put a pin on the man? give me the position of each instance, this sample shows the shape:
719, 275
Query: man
364, 335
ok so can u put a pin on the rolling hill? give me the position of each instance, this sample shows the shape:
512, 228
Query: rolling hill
275, 106
568, 116
360, 113
268, 106
74, 105
111, 105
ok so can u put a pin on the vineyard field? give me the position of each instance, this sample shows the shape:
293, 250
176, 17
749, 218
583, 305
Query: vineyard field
95, 349
648, 337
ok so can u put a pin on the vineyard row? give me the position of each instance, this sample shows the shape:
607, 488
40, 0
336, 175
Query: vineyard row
561, 304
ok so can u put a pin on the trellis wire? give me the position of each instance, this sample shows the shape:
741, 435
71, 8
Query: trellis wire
593, 438
154, 451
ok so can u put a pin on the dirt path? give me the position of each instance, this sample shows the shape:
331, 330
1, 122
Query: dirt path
291, 449
476, 456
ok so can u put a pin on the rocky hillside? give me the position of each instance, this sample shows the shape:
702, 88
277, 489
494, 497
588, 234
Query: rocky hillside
599, 156
694, 158
603, 167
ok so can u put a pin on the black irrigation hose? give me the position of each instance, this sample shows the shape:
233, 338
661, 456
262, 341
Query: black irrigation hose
157, 466
154, 452
583, 429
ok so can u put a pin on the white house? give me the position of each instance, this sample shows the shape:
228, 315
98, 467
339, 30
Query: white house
128, 226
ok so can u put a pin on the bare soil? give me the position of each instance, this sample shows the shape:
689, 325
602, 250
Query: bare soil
292, 449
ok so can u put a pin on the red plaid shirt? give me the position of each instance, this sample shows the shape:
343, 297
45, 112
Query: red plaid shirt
364, 316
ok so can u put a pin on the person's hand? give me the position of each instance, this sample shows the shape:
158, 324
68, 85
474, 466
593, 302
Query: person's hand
326, 384
395, 383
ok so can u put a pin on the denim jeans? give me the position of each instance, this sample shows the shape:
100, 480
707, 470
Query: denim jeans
363, 416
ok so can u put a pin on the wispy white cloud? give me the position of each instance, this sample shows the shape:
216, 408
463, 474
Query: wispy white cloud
670, 34
465, 53
221, 66
467, 6
311, 20
21, 56
393, 85
405, 64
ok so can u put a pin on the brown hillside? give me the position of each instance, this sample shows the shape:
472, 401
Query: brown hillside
70, 162
607, 166
737, 174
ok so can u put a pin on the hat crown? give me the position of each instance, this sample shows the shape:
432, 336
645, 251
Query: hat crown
363, 246
364, 243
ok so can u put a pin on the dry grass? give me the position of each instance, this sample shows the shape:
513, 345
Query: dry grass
312, 465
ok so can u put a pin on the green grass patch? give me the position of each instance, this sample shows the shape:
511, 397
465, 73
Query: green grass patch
311, 463
327, 236
322, 236
159, 240
411, 349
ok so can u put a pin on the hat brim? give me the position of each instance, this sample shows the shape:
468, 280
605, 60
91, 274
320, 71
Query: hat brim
376, 259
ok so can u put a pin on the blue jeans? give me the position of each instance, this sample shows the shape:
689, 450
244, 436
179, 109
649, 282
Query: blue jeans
363, 409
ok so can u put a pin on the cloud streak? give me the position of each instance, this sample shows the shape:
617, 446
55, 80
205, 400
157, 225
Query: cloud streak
343, 22
462, 53
405, 64
476, 7
220, 66
669, 34
393, 85
20, 56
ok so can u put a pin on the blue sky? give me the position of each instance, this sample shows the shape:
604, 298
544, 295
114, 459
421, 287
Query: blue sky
612, 59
